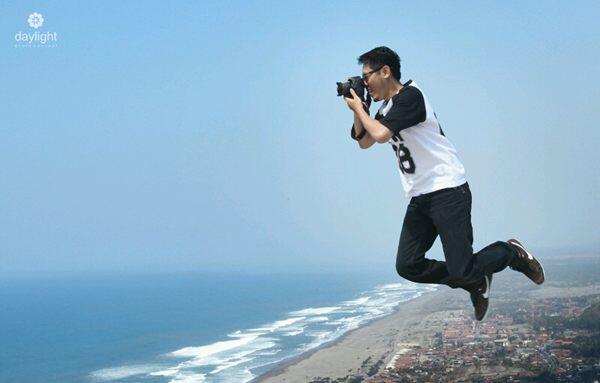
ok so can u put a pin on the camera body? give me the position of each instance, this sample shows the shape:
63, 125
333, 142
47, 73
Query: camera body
356, 83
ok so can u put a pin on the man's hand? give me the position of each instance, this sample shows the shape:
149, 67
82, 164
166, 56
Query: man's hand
362, 118
354, 103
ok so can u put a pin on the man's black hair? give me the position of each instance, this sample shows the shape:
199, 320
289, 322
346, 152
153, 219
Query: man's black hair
380, 56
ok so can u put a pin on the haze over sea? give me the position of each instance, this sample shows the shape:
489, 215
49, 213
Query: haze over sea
179, 327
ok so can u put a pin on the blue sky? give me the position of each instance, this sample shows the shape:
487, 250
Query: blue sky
207, 136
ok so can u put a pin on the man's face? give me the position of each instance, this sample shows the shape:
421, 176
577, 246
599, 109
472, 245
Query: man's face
373, 81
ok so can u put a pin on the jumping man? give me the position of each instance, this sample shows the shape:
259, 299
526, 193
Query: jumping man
434, 179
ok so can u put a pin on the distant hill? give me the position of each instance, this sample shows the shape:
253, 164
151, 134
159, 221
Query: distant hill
589, 318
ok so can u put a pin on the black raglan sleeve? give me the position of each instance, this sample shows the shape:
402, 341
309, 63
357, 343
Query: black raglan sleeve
408, 109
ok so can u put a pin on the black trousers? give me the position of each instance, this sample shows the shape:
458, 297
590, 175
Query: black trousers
446, 212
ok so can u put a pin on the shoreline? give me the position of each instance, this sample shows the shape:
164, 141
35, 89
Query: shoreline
370, 349
325, 360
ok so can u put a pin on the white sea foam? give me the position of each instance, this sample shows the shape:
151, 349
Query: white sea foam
229, 356
318, 319
359, 301
320, 338
315, 311
167, 372
229, 364
271, 327
202, 351
347, 322
287, 322
221, 356
188, 378
396, 286
293, 331
232, 360
122, 372
269, 352
238, 376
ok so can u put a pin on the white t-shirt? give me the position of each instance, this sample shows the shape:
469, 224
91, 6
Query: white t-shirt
427, 159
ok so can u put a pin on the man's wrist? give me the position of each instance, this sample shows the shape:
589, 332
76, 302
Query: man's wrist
362, 117
358, 136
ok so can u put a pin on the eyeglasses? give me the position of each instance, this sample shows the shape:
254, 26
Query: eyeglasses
366, 76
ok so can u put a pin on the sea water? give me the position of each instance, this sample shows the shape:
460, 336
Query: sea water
180, 328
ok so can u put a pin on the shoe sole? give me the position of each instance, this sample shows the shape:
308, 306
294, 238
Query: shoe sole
536, 263
488, 281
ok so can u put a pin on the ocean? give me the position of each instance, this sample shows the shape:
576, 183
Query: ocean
205, 327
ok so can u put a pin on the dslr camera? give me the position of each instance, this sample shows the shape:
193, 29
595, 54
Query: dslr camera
356, 83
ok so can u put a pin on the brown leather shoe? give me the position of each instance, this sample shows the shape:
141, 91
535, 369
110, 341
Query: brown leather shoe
481, 297
526, 263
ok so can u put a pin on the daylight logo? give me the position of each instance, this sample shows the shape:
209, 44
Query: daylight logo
36, 39
35, 20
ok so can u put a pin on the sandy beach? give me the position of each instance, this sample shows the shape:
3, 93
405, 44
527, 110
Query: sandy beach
377, 341
375, 344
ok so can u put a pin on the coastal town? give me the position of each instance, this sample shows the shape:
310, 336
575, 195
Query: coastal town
530, 335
